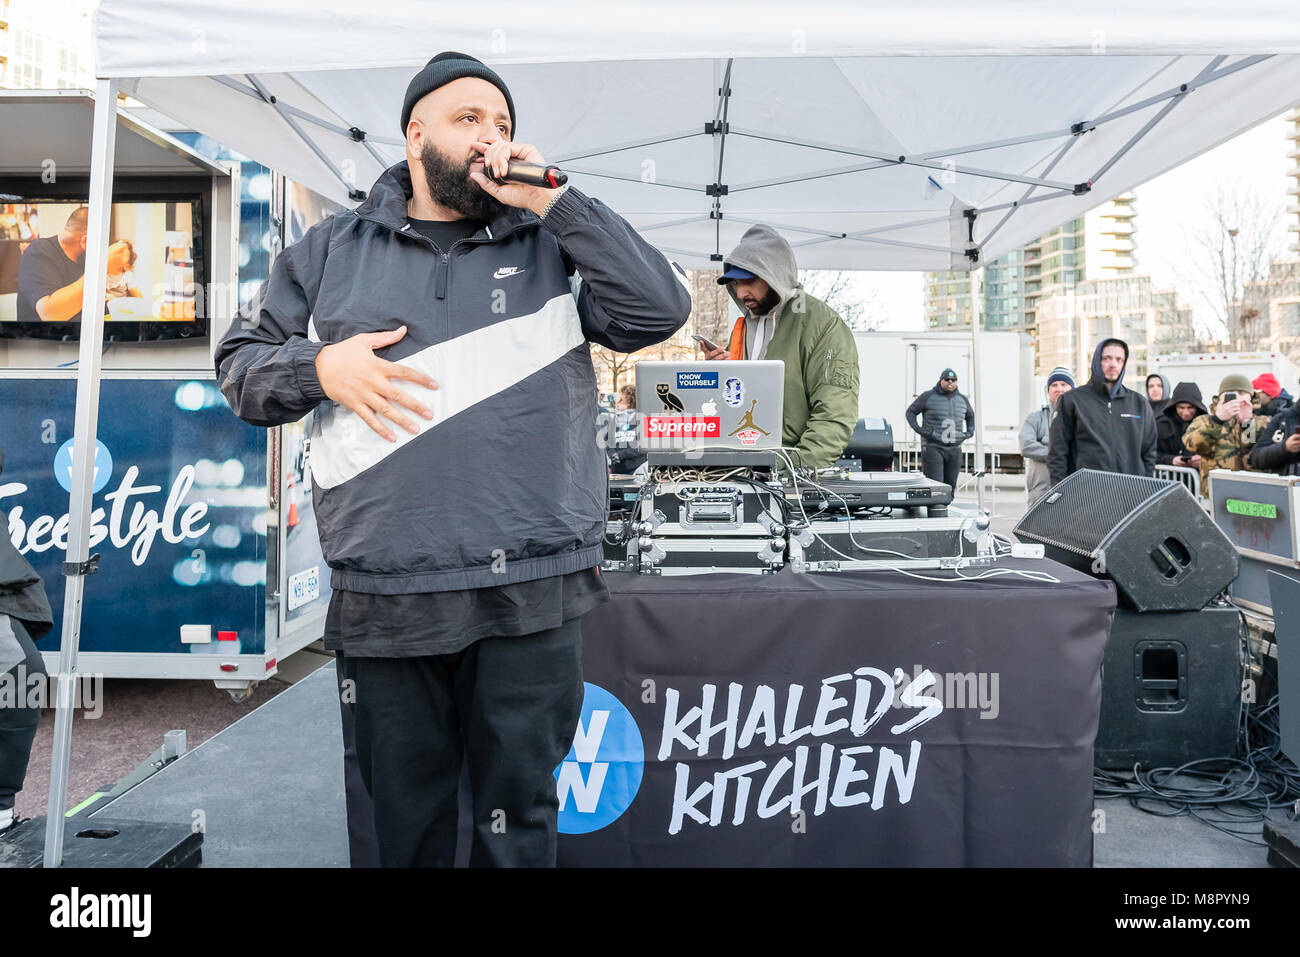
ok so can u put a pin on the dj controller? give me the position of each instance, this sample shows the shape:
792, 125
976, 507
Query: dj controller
752, 522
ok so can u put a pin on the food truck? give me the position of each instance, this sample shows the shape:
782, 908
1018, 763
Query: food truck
209, 564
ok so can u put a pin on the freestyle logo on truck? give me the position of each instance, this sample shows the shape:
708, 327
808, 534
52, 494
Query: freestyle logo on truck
176, 523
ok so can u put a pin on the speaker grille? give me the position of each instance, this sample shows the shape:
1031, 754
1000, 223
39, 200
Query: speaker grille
1079, 512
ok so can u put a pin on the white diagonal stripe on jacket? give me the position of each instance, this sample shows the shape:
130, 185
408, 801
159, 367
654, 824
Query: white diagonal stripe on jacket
468, 369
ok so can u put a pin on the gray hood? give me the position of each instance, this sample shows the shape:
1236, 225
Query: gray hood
763, 252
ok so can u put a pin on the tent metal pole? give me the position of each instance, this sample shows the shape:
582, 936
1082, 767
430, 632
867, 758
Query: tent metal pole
1203, 78
677, 251
808, 177
997, 144
302, 114
893, 226
828, 236
895, 159
977, 398
667, 184
311, 144
370, 148
671, 223
947, 250
719, 134
630, 145
77, 563
1149, 124
1024, 202
1060, 154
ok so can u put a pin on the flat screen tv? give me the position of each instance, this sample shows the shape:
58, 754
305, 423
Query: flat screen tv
157, 268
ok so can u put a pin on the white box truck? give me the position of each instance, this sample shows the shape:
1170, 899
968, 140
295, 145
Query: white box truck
896, 367
1207, 369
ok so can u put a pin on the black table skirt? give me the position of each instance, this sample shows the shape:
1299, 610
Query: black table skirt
996, 769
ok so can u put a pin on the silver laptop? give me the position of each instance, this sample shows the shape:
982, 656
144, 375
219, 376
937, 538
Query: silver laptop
706, 406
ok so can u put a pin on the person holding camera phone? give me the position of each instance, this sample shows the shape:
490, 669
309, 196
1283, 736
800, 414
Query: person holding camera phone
1278, 448
1225, 437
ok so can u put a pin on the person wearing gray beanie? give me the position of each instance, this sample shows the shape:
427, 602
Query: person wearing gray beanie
1035, 432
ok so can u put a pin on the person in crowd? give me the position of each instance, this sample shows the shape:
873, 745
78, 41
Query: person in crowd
944, 418
1278, 447
1269, 398
1157, 392
1225, 436
1036, 432
624, 456
1184, 405
1102, 424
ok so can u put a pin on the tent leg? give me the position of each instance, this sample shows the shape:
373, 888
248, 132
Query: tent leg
83, 454
976, 275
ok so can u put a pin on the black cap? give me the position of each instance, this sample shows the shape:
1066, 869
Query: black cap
444, 68
948, 374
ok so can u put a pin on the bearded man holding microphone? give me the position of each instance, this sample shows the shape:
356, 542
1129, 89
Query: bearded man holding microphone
441, 333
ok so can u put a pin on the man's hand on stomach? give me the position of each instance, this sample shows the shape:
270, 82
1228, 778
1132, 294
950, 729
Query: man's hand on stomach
352, 375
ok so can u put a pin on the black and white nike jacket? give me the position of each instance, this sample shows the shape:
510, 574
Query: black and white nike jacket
508, 482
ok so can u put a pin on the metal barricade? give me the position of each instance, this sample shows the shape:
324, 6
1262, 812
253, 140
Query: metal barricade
1189, 477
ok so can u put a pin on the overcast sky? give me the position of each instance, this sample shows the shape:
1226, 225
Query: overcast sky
1171, 210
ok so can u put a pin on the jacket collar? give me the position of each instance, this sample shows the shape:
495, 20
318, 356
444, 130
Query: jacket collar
1098, 385
386, 204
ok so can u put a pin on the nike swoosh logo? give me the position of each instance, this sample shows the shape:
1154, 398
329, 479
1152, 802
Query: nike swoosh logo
505, 271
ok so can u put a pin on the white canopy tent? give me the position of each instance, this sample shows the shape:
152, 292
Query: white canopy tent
873, 136
868, 135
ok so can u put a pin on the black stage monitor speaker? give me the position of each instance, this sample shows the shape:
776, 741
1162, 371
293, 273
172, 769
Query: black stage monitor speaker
1149, 536
1171, 688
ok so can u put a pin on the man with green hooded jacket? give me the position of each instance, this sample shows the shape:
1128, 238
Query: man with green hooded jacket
781, 321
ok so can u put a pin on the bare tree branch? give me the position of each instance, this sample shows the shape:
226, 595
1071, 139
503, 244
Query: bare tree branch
1236, 235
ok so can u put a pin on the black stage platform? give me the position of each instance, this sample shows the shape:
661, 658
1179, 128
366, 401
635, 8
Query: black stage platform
271, 791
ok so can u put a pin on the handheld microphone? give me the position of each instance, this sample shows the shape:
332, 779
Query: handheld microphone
531, 174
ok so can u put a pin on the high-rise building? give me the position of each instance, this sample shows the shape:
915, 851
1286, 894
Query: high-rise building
4, 40
1074, 319
1293, 154
1098, 245
46, 44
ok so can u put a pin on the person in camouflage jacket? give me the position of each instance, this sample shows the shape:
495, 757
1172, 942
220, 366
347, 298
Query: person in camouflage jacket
1225, 436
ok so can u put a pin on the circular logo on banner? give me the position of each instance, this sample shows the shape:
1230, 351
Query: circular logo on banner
598, 779
63, 466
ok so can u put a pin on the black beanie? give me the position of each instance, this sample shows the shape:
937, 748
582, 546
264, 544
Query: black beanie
444, 68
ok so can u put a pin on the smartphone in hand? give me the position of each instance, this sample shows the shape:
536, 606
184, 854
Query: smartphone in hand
706, 343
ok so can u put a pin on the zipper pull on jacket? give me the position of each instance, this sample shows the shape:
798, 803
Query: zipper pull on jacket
440, 285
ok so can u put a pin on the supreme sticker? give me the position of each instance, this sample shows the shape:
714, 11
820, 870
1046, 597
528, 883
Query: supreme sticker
675, 426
